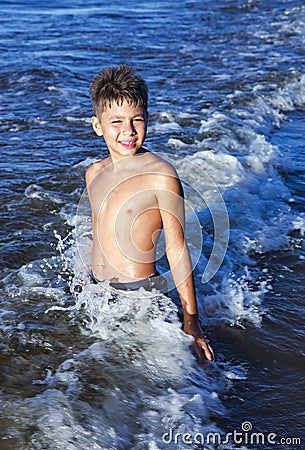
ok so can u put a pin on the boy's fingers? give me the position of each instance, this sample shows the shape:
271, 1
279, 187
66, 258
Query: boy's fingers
198, 352
203, 350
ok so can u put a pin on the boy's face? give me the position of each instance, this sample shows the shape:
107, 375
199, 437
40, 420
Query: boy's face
123, 128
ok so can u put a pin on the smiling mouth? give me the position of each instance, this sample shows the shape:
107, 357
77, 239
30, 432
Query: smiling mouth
128, 144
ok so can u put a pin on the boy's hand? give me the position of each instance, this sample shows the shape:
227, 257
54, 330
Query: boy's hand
203, 350
192, 326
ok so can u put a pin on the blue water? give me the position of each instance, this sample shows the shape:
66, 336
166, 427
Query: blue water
227, 102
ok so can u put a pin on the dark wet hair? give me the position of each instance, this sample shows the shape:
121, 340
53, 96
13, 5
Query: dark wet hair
116, 84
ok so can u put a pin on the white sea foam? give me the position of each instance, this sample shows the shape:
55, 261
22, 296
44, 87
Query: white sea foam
134, 382
37, 192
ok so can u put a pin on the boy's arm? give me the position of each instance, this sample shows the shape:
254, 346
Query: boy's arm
191, 319
171, 204
91, 172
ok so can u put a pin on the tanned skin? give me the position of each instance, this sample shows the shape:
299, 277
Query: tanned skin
134, 194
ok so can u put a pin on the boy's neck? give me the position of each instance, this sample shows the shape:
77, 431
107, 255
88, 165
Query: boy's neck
126, 160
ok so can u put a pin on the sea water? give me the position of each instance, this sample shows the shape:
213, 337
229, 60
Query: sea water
81, 370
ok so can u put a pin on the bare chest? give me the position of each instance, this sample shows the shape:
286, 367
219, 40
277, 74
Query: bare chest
124, 199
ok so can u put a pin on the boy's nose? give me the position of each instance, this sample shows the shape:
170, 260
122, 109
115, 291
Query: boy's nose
129, 128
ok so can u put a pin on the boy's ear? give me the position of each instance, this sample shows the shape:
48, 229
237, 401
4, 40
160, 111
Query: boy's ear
96, 126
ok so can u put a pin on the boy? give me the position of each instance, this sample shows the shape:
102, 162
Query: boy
133, 195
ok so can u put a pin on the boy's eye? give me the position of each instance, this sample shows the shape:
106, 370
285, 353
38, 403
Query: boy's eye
116, 121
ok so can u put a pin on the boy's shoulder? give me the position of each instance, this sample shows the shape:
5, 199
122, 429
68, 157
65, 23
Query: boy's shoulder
161, 165
165, 174
96, 167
